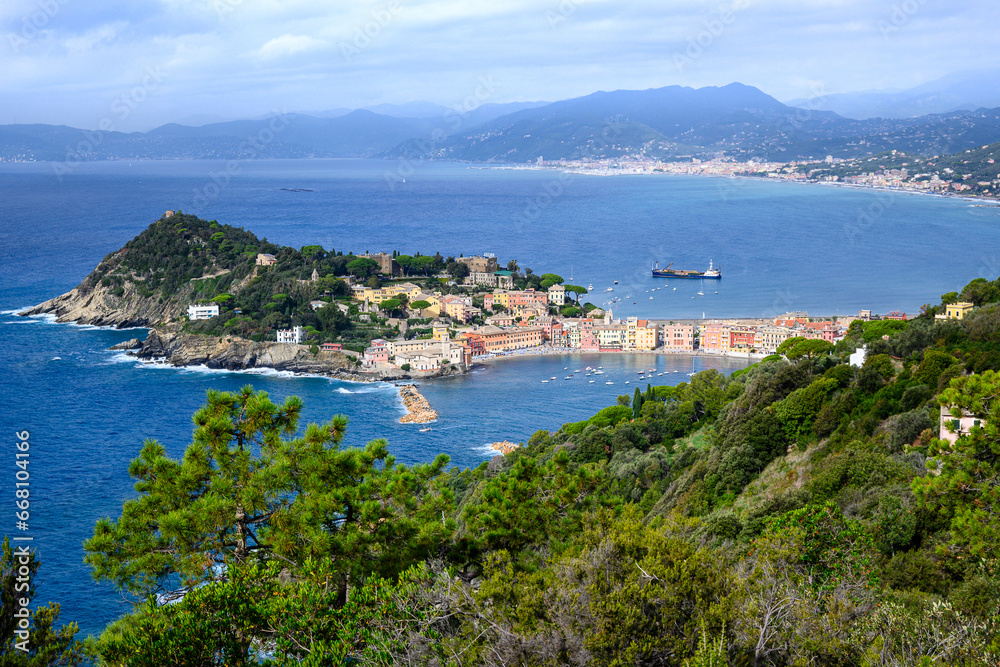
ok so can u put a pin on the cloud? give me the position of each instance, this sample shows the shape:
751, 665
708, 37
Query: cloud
289, 45
81, 55
87, 41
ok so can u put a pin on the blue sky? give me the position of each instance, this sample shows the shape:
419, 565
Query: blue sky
139, 63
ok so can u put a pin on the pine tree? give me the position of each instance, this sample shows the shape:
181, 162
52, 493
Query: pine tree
245, 487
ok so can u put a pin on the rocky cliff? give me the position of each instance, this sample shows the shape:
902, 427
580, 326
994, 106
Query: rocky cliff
102, 306
233, 353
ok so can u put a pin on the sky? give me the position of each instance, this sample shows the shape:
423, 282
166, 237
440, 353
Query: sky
136, 64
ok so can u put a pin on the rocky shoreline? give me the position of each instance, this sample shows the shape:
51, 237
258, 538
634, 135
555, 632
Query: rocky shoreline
505, 447
236, 354
418, 409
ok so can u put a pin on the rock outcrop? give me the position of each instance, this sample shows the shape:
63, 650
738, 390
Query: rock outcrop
505, 447
418, 409
234, 353
102, 306
130, 344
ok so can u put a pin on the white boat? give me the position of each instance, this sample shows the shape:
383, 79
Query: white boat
650, 298
424, 430
591, 382
703, 294
544, 381
675, 289
553, 377
609, 382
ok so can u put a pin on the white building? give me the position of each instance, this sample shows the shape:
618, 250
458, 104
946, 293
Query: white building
294, 335
203, 312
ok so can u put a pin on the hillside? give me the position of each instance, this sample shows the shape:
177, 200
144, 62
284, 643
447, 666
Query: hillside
672, 122
801, 511
181, 260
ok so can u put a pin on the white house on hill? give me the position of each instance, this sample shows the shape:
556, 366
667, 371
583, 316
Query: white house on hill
203, 312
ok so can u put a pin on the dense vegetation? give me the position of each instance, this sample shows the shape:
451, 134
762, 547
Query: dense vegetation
801, 511
978, 168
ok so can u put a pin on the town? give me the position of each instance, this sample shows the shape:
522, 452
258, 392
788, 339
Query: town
485, 317
895, 170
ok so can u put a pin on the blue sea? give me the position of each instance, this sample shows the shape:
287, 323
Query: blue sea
781, 246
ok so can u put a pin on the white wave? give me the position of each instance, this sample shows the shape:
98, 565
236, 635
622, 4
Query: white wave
486, 450
341, 390
122, 358
44, 318
16, 311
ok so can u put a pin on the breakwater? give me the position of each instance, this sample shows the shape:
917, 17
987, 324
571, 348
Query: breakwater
418, 410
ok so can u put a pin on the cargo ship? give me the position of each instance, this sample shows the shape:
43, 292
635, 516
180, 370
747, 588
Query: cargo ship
712, 272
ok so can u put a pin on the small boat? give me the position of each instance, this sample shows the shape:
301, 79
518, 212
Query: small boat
616, 282
703, 294
626, 382
424, 430
553, 377
591, 382
544, 381
675, 289
569, 377
609, 382
650, 298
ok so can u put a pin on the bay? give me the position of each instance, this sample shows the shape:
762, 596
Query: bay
782, 246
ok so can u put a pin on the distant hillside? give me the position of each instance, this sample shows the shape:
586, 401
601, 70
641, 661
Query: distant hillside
672, 122
966, 91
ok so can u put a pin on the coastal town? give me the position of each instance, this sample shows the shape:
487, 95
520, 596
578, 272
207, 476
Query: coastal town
474, 326
893, 171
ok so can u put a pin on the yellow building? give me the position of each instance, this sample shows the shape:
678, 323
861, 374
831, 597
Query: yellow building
439, 331
957, 311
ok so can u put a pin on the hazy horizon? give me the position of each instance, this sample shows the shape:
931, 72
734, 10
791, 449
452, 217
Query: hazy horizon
145, 63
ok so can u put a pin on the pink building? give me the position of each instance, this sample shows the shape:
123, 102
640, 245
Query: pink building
952, 428
678, 337
377, 353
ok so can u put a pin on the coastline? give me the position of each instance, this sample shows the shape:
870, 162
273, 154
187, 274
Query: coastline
994, 199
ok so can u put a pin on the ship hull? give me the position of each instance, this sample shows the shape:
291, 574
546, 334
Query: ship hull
664, 273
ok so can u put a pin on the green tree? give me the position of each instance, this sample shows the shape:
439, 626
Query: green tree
532, 507
420, 305
637, 399
362, 267
244, 487
577, 290
37, 643
967, 487
259, 615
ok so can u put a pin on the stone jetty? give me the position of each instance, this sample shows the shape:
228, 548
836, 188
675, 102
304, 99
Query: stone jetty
418, 409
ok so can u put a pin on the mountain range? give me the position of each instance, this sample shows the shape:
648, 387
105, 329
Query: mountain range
671, 122
963, 91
